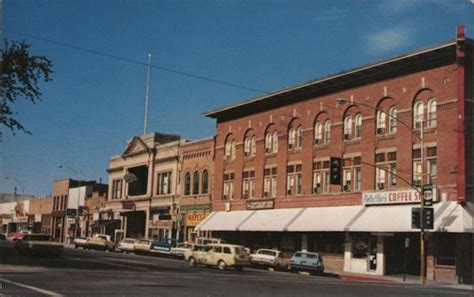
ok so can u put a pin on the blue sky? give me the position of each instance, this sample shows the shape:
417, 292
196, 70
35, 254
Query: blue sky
94, 103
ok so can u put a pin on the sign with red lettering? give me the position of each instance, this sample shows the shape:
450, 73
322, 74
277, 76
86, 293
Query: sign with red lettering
391, 197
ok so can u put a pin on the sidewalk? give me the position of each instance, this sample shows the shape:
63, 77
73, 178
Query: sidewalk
398, 279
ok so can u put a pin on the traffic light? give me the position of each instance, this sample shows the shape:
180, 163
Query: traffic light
415, 217
428, 218
335, 171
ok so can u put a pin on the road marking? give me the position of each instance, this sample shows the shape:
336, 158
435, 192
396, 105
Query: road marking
36, 289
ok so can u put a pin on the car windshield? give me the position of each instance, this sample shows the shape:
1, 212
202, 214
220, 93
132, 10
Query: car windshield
37, 238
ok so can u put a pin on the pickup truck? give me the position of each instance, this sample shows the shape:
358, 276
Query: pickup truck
268, 258
164, 246
101, 242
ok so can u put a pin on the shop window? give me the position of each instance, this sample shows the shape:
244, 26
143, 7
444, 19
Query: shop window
248, 184
294, 180
228, 186
360, 246
270, 182
164, 183
196, 182
205, 182
187, 184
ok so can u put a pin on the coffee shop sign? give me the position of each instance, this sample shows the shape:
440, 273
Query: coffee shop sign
391, 197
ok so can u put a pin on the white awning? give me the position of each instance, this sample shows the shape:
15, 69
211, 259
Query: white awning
449, 217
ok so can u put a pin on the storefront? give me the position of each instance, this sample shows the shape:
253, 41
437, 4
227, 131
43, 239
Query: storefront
362, 239
161, 223
191, 216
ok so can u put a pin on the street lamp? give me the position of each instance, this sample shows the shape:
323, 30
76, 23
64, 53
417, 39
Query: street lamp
80, 174
343, 101
19, 182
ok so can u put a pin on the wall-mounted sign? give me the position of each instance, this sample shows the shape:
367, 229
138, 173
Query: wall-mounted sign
161, 224
193, 219
391, 197
261, 204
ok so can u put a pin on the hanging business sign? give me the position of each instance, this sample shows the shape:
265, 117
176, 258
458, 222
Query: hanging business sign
391, 197
193, 219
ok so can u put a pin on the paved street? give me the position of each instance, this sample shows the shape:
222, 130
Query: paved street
80, 272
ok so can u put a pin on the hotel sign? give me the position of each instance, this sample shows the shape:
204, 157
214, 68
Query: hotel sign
260, 204
391, 197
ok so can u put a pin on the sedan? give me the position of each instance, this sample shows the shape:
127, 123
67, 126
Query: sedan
306, 261
38, 244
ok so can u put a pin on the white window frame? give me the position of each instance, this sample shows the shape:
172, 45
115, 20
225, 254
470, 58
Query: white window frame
347, 128
327, 132
358, 125
381, 121
432, 113
318, 137
418, 111
392, 126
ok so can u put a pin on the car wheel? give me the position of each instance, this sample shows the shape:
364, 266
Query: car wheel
221, 265
192, 262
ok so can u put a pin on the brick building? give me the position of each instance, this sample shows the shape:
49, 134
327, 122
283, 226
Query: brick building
39, 216
197, 170
395, 124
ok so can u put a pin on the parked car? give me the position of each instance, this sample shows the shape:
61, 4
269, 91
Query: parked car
306, 261
126, 245
142, 246
3, 240
268, 258
101, 242
38, 244
164, 246
80, 242
181, 249
220, 255
19, 235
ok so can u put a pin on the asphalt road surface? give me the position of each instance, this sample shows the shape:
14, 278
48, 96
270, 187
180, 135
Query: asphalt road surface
95, 273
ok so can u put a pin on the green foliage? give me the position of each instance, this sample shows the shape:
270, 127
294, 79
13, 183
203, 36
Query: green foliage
20, 74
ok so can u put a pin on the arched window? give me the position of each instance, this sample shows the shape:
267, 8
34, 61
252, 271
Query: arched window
205, 182
247, 147
275, 141
358, 125
348, 128
187, 184
327, 132
418, 114
196, 182
392, 112
229, 149
299, 137
292, 138
381, 117
432, 113
318, 137
253, 144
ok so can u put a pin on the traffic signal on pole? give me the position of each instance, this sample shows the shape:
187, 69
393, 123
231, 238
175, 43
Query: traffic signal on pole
428, 218
415, 217
335, 171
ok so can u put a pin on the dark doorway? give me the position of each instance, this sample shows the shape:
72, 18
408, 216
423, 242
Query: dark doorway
394, 250
136, 223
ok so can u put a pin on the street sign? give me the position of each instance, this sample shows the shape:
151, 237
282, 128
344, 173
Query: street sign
428, 195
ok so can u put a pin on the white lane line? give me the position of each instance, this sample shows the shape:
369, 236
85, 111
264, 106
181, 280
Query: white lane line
36, 289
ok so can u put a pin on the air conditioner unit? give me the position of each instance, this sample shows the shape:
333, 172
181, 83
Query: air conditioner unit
246, 154
380, 130
288, 192
347, 136
318, 141
418, 125
227, 206
316, 190
266, 194
268, 150
226, 197
245, 195
347, 188
380, 186
290, 145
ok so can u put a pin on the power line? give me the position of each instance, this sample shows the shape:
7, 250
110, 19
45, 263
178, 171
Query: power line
123, 59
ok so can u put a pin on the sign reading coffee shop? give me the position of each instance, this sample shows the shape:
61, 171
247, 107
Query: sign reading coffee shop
261, 204
392, 197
